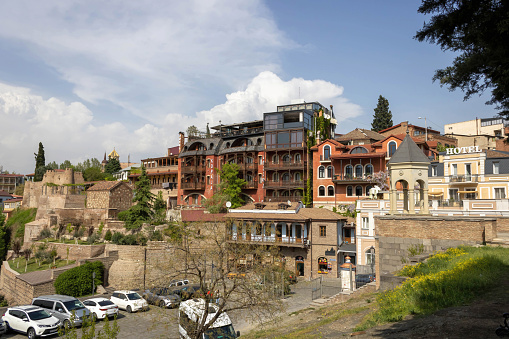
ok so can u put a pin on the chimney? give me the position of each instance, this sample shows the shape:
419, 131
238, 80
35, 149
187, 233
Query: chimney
181, 141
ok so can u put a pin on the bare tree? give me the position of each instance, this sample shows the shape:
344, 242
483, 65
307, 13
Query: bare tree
230, 275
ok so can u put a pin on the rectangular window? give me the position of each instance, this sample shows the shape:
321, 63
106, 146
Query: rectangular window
283, 138
323, 231
496, 168
500, 193
453, 194
454, 169
434, 172
365, 223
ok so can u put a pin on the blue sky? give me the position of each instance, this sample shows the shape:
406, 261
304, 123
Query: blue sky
84, 77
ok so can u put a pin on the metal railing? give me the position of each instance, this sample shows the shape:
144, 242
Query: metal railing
192, 185
283, 198
351, 177
267, 239
192, 169
324, 158
447, 203
284, 183
464, 178
285, 164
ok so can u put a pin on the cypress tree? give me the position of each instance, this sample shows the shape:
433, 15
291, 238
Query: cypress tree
382, 118
40, 163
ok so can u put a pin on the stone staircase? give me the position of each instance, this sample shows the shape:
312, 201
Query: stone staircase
502, 240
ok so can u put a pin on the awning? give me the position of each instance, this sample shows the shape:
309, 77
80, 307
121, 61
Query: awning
435, 193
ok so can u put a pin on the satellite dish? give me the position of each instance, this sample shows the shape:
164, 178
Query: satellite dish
228, 204
289, 203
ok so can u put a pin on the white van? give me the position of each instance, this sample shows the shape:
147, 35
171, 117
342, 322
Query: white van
191, 313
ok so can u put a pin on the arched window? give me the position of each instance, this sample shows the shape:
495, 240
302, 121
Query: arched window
330, 171
297, 176
358, 149
358, 171
348, 171
321, 191
391, 147
275, 159
330, 191
275, 194
211, 146
297, 158
321, 172
349, 191
370, 257
286, 177
249, 160
326, 152
275, 177
367, 189
369, 169
287, 158
358, 191
259, 141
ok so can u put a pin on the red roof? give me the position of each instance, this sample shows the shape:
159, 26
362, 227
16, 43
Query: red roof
105, 185
14, 200
11, 175
173, 150
409, 125
189, 215
5, 194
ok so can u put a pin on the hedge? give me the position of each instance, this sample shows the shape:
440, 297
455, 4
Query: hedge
77, 281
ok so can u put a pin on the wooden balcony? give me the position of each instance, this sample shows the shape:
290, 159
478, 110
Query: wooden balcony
251, 184
267, 240
192, 169
284, 183
192, 185
348, 178
285, 165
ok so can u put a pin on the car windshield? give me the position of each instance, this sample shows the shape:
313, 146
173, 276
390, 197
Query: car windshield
105, 303
73, 305
163, 291
133, 296
38, 315
223, 332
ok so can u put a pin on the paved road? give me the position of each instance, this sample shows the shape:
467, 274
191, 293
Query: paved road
162, 323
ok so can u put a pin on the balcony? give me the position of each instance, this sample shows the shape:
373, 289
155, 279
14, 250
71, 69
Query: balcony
325, 158
235, 133
251, 184
344, 178
284, 183
192, 169
267, 239
285, 165
193, 185
293, 145
464, 178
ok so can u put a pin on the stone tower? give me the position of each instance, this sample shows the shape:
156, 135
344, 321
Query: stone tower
408, 169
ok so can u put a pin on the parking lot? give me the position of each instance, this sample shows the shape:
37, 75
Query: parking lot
163, 323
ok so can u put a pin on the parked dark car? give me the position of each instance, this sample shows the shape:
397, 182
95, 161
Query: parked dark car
162, 297
363, 279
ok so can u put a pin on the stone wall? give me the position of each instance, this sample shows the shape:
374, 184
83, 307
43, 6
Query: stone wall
76, 252
503, 225
128, 271
321, 244
120, 198
396, 234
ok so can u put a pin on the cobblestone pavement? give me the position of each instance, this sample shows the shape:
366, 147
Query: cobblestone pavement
162, 323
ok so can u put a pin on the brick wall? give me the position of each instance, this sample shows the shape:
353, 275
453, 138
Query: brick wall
121, 197
321, 244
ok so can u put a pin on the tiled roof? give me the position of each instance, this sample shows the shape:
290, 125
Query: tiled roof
496, 154
105, 185
11, 175
190, 215
360, 133
408, 151
5, 194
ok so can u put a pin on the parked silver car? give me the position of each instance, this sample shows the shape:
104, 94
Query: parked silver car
162, 297
63, 307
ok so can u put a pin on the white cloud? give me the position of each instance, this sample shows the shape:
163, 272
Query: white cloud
150, 55
70, 130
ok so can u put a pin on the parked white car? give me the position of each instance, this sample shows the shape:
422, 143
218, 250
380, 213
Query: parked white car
176, 283
32, 320
101, 308
130, 301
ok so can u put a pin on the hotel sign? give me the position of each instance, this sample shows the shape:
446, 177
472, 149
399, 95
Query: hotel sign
463, 150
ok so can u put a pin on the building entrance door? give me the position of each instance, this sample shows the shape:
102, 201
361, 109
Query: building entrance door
299, 266
348, 236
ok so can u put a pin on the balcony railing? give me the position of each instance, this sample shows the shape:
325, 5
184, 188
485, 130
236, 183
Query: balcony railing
288, 145
464, 178
193, 169
235, 237
447, 203
192, 185
324, 158
281, 198
243, 131
285, 165
251, 184
350, 177
284, 183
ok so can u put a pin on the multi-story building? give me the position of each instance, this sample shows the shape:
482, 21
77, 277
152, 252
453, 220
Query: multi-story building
308, 239
9, 182
203, 155
286, 153
421, 133
163, 175
478, 132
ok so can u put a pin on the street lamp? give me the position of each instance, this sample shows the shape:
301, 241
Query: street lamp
372, 263
425, 127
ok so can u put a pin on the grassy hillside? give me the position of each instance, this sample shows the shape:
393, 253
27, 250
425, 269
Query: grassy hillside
16, 222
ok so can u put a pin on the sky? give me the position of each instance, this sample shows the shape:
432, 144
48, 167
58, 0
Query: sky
85, 77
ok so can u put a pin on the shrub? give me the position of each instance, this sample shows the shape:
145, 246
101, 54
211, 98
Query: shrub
129, 239
156, 236
3, 301
77, 281
117, 238
107, 236
101, 226
93, 238
45, 233
79, 232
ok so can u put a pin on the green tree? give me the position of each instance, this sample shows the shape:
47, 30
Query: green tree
208, 130
112, 166
382, 118
476, 30
160, 208
228, 189
3, 238
142, 211
52, 165
40, 163
192, 131
93, 174
66, 164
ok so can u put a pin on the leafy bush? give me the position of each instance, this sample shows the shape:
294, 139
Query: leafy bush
93, 238
78, 232
77, 281
108, 235
129, 239
45, 233
3, 301
156, 236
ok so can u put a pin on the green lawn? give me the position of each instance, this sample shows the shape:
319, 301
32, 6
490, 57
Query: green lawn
33, 266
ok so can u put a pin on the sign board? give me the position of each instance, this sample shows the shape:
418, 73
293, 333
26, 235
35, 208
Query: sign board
463, 150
